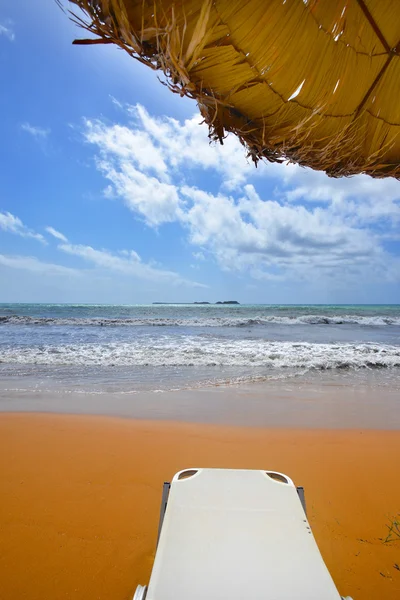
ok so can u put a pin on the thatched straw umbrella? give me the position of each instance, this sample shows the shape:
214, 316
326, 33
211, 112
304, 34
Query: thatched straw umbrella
316, 82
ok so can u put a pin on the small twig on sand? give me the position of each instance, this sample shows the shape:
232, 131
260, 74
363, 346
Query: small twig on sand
394, 531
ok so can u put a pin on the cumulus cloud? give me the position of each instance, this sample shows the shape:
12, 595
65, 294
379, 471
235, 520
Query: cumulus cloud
360, 199
56, 234
143, 161
13, 224
162, 145
155, 200
187, 145
127, 145
306, 226
35, 131
277, 241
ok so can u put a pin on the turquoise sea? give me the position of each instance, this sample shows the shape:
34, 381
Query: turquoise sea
156, 347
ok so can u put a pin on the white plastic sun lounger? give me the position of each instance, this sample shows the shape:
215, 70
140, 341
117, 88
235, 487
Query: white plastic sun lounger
236, 535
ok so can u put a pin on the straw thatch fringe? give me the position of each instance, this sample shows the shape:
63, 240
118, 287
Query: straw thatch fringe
167, 45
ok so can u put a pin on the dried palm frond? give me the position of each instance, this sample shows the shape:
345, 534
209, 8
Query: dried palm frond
316, 82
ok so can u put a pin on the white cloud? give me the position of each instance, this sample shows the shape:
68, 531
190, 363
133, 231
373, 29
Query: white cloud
360, 199
12, 224
108, 273
34, 265
35, 131
188, 145
307, 226
56, 234
312, 186
124, 262
7, 32
161, 146
125, 144
156, 201
141, 160
276, 242
127, 263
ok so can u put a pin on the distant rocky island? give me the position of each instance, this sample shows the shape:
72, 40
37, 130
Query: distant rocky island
219, 302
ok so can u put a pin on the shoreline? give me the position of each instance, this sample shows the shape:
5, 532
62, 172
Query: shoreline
286, 403
80, 498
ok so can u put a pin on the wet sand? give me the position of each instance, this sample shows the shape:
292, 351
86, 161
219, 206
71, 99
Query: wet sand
317, 402
80, 498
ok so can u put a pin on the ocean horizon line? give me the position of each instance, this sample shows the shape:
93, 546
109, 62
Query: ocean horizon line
198, 304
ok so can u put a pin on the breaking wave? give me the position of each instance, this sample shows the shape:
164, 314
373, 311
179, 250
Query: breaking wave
191, 352
374, 321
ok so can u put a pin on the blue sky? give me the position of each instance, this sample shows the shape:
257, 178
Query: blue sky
110, 192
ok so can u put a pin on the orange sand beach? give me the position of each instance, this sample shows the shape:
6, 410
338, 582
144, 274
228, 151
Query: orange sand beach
80, 498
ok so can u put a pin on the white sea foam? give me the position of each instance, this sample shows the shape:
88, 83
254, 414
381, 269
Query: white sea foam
379, 320
191, 351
